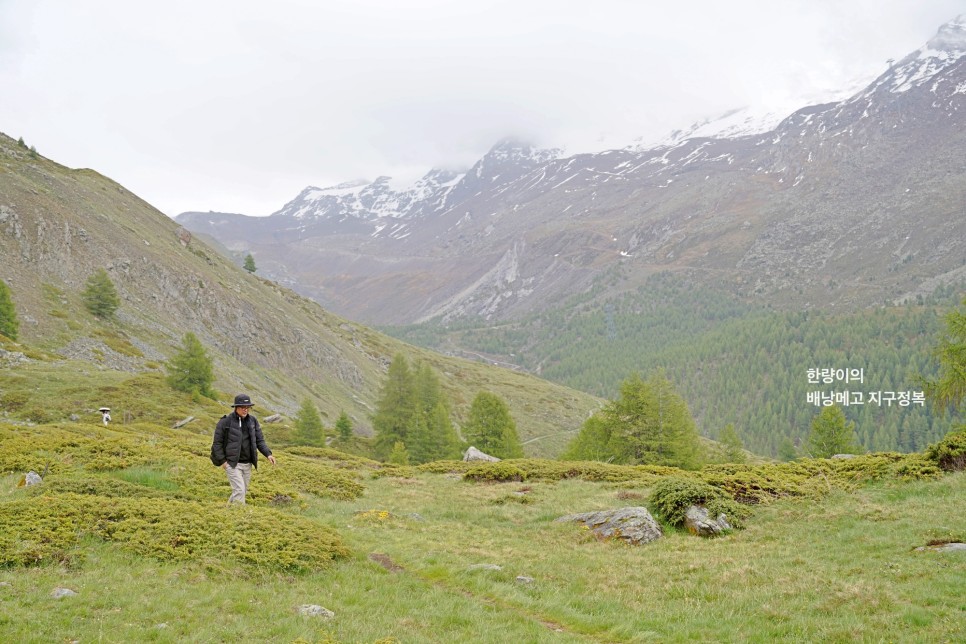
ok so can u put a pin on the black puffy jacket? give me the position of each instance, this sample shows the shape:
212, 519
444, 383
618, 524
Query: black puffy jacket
230, 432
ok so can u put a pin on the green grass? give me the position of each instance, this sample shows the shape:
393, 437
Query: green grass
151, 477
836, 568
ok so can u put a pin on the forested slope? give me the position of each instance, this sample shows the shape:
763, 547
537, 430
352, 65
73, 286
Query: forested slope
734, 362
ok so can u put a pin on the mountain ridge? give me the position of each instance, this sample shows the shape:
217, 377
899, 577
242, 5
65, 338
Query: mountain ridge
521, 229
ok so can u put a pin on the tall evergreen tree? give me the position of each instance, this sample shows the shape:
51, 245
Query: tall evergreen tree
649, 424
9, 324
250, 263
491, 429
395, 408
343, 426
191, 369
99, 295
831, 434
308, 425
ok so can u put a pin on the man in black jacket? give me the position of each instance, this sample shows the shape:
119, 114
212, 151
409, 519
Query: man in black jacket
238, 440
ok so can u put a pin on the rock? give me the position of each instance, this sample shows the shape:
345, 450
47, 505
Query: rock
32, 478
698, 522
182, 423
842, 456
524, 579
274, 418
314, 610
634, 524
59, 593
473, 454
183, 236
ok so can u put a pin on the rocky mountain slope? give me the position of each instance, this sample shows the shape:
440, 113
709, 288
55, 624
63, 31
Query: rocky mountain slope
846, 204
57, 226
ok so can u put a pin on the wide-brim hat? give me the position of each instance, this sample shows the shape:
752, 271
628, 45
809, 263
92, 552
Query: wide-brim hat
242, 400
104, 409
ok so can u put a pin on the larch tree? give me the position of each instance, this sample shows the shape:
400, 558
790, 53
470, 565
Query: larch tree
191, 369
343, 426
395, 408
491, 429
308, 425
831, 434
100, 296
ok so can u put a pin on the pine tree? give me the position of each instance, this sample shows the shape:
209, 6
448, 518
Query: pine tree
308, 425
491, 429
831, 434
343, 427
9, 324
395, 408
250, 263
191, 370
100, 297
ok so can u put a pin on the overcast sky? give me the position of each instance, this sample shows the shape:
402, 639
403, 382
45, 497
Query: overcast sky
235, 106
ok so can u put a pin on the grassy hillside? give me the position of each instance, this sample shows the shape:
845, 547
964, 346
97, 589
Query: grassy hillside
59, 225
132, 519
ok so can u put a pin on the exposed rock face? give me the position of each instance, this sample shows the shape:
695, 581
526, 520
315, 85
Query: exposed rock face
473, 454
634, 525
697, 521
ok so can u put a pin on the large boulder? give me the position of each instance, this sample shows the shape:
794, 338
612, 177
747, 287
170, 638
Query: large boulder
635, 525
473, 454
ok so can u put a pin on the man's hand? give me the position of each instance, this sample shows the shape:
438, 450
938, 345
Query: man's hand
271, 459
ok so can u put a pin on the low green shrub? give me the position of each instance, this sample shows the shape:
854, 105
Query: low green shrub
48, 528
672, 497
950, 453
495, 472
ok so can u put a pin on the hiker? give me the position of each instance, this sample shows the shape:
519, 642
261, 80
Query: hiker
237, 442
105, 415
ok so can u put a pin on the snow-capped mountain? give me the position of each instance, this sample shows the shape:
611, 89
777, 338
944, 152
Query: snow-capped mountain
846, 203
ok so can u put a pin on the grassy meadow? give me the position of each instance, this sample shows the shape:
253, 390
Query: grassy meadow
132, 518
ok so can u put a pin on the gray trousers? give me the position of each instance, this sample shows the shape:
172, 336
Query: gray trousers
239, 477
